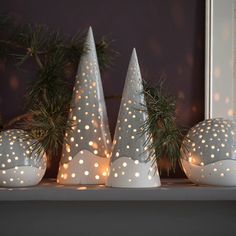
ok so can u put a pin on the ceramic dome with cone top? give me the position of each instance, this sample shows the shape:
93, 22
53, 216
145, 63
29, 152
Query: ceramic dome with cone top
87, 146
131, 164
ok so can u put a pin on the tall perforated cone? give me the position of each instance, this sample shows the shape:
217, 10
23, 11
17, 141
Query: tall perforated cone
87, 146
131, 164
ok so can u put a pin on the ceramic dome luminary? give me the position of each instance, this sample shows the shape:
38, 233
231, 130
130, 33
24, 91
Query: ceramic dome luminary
209, 153
87, 146
20, 166
131, 165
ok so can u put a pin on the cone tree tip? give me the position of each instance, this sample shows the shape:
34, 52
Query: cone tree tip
90, 30
90, 43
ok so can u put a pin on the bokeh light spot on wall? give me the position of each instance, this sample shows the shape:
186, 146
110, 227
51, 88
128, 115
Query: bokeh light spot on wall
14, 82
217, 72
189, 59
230, 112
227, 100
217, 97
194, 109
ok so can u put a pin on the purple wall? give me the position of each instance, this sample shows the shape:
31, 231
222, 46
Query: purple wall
168, 36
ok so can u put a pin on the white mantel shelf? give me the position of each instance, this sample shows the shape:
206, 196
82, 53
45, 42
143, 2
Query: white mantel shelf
171, 190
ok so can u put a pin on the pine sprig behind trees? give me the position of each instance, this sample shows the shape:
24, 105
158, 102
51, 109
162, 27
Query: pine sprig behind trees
161, 126
48, 97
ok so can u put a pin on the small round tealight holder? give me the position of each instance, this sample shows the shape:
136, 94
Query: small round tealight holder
209, 153
20, 164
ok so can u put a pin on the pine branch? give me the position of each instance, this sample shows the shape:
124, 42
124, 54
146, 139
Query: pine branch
39, 40
161, 126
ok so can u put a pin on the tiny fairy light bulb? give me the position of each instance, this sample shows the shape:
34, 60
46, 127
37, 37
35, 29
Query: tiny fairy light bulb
130, 164
88, 145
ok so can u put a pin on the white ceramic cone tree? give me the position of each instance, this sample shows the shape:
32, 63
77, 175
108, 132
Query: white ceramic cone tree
131, 164
87, 146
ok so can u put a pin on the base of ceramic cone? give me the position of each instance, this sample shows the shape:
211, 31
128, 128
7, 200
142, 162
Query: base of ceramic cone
84, 168
128, 173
